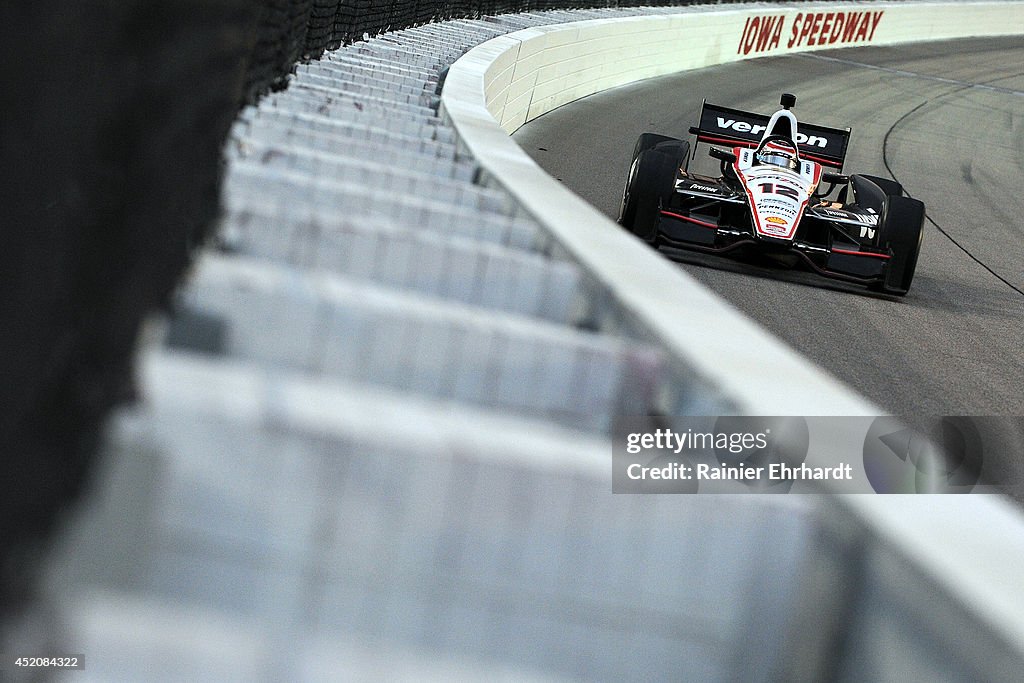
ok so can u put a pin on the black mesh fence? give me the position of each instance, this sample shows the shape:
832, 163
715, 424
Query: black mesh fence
112, 119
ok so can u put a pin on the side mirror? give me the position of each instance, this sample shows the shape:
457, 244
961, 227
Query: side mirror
722, 155
835, 178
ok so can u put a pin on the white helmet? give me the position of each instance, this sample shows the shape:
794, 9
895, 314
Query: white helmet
778, 151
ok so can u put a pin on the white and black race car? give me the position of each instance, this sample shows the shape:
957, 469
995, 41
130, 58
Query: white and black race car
774, 196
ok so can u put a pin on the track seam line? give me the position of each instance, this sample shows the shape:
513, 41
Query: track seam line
885, 161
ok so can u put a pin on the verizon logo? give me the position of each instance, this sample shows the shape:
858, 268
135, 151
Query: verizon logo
764, 33
757, 129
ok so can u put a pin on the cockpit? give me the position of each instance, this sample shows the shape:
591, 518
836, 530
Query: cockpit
778, 146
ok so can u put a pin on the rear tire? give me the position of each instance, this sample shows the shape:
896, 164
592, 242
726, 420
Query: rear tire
902, 230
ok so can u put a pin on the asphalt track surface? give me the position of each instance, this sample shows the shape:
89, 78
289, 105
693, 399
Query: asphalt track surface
947, 121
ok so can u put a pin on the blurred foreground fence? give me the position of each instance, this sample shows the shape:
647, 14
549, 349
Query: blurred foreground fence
114, 116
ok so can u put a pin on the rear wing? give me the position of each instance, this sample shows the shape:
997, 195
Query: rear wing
724, 126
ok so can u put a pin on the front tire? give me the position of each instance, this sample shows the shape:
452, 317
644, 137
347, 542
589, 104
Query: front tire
902, 231
651, 182
890, 187
648, 141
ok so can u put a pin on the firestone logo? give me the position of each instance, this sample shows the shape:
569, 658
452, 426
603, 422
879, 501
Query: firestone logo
764, 33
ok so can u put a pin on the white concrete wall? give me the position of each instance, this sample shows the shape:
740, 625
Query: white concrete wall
543, 68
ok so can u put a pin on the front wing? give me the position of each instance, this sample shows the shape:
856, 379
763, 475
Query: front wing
706, 215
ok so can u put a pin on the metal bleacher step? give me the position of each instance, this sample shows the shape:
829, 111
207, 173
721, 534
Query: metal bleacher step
325, 325
435, 264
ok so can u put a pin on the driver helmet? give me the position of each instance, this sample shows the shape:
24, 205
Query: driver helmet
778, 153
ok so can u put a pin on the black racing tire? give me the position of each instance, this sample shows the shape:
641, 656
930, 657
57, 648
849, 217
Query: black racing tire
678, 150
647, 141
650, 183
890, 187
902, 229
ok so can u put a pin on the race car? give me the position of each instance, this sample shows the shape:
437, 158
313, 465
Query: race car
774, 197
